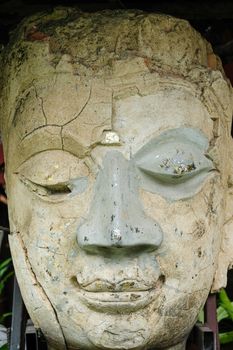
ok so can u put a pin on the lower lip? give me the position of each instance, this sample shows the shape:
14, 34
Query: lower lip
118, 302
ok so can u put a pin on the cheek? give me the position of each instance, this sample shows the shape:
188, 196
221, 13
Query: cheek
48, 231
36, 216
192, 234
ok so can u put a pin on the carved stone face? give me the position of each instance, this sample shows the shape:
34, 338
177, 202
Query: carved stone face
117, 194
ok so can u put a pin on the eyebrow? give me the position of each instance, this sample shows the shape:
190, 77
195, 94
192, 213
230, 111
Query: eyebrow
43, 138
191, 136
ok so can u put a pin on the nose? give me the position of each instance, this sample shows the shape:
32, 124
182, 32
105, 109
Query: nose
116, 218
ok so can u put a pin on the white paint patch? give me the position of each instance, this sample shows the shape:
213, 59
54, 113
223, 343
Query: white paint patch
111, 137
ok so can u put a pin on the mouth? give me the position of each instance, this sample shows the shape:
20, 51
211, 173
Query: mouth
117, 302
120, 301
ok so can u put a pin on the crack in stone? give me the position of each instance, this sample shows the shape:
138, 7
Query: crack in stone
75, 117
39, 127
80, 112
19, 104
56, 125
41, 288
50, 250
62, 141
204, 268
41, 103
228, 221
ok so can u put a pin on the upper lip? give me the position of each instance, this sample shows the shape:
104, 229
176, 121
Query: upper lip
124, 285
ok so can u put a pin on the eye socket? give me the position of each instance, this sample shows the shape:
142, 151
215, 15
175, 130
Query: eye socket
54, 175
60, 188
175, 163
52, 191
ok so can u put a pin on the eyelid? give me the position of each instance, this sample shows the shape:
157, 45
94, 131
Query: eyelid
54, 175
171, 169
177, 180
58, 192
185, 148
52, 193
38, 189
183, 136
50, 168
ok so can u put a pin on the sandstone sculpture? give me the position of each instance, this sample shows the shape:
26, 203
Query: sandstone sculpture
116, 131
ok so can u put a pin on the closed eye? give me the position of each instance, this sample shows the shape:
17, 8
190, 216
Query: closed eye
60, 188
56, 190
174, 170
54, 175
175, 164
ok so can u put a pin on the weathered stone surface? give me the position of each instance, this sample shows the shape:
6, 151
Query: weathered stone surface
116, 130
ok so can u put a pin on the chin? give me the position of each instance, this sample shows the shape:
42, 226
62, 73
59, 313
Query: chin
149, 327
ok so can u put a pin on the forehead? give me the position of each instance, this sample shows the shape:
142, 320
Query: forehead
67, 112
147, 113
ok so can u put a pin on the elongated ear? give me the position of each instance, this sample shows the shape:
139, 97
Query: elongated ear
225, 259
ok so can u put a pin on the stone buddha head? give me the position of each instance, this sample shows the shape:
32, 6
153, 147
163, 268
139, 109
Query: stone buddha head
116, 132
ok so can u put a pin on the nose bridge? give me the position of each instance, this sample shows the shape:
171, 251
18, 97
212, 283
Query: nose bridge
118, 188
116, 217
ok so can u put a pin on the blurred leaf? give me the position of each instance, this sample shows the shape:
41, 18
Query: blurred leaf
221, 313
226, 337
4, 347
4, 274
201, 317
225, 311
226, 303
5, 263
2, 317
3, 270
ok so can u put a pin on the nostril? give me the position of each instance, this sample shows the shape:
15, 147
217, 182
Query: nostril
162, 278
94, 239
74, 281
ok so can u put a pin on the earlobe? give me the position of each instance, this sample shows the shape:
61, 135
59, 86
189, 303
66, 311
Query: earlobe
225, 258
